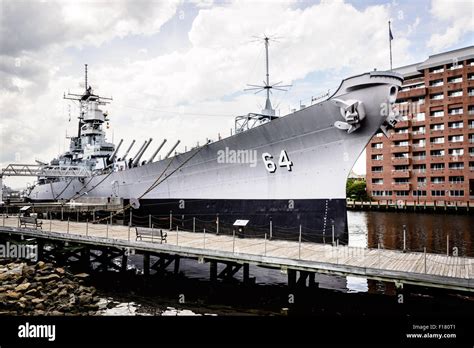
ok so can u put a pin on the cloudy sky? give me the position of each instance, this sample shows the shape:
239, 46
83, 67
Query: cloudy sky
177, 69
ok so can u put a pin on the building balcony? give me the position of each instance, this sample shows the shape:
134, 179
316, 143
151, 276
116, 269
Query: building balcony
437, 159
456, 144
376, 175
420, 172
437, 146
437, 102
469, 69
455, 117
418, 159
436, 89
376, 151
400, 136
403, 124
454, 158
401, 173
454, 131
437, 172
401, 186
436, 75
456, 185
454, 72
396, 148
418, 135
413, 92
418, 147
400, 161
438, 133
455, 171
454, 100
454, 86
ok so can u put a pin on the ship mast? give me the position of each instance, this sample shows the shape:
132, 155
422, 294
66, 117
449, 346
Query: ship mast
268, 111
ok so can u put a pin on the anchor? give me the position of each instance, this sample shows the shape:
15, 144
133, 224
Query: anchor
353, 112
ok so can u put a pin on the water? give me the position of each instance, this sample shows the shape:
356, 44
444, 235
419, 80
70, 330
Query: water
336, 294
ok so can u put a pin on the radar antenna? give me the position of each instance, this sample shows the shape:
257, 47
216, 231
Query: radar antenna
269, 111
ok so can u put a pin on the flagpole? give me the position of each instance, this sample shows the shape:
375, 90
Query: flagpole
390, 43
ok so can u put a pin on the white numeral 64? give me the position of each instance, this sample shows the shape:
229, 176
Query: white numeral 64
283, 161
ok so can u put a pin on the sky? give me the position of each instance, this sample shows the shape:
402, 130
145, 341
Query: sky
178, 69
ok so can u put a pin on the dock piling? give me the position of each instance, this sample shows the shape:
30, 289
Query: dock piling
404, 238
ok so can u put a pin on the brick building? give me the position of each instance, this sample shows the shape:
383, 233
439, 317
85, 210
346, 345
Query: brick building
429, 157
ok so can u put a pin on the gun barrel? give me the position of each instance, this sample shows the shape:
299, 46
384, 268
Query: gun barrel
142, 151
156, 152
129, 148
116, 150
172, 149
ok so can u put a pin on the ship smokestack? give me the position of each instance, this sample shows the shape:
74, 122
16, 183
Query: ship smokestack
172, 149
156, 152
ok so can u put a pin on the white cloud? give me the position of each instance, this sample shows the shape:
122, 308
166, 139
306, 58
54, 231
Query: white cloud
458, 15
330, 37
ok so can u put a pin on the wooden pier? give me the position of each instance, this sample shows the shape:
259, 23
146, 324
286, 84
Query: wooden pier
411, 206
291, 257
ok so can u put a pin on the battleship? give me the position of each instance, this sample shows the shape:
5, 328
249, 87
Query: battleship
290, 170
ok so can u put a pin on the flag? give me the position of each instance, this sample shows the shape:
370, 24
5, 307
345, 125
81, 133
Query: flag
390, 35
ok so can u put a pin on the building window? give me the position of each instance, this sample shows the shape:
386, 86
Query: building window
437, 166
377, 157
437, 96
401, 143
377, 169
456, 152
420, 193
456, 179
455, 111
437, 127
436, 83
419, 168
456, 193
377, 145
456, 165
419, 130
401, 155
455, 79
456, 138
381, 193
402, 193
437, 193
455, 125
437, 179
420, 116
419, 143
437, 153
377, 181
437, 69
437, 140
439, 113
457, 93
420, 155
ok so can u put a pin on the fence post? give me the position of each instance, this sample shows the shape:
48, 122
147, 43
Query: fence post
87, 227
299, 247
62, 213
332, 229
50, 222
265, 246
129, 231
233, 240
111, 218
378, 246
3, 220
271, 228
217, 224
171, 220
131, 216
149, 220
204, 242
77, 215
424, 252
194, 224
18, 221
107, 229
68, 224
447, 244
176, 234
404, 238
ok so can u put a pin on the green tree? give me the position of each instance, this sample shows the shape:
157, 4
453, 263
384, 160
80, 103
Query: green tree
356, 189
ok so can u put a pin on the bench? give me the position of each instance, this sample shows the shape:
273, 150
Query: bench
150, 233
30, 220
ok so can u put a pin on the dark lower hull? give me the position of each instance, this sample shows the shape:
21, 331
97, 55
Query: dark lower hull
315, 216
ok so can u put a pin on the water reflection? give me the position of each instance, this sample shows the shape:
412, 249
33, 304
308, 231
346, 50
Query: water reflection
423, 230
